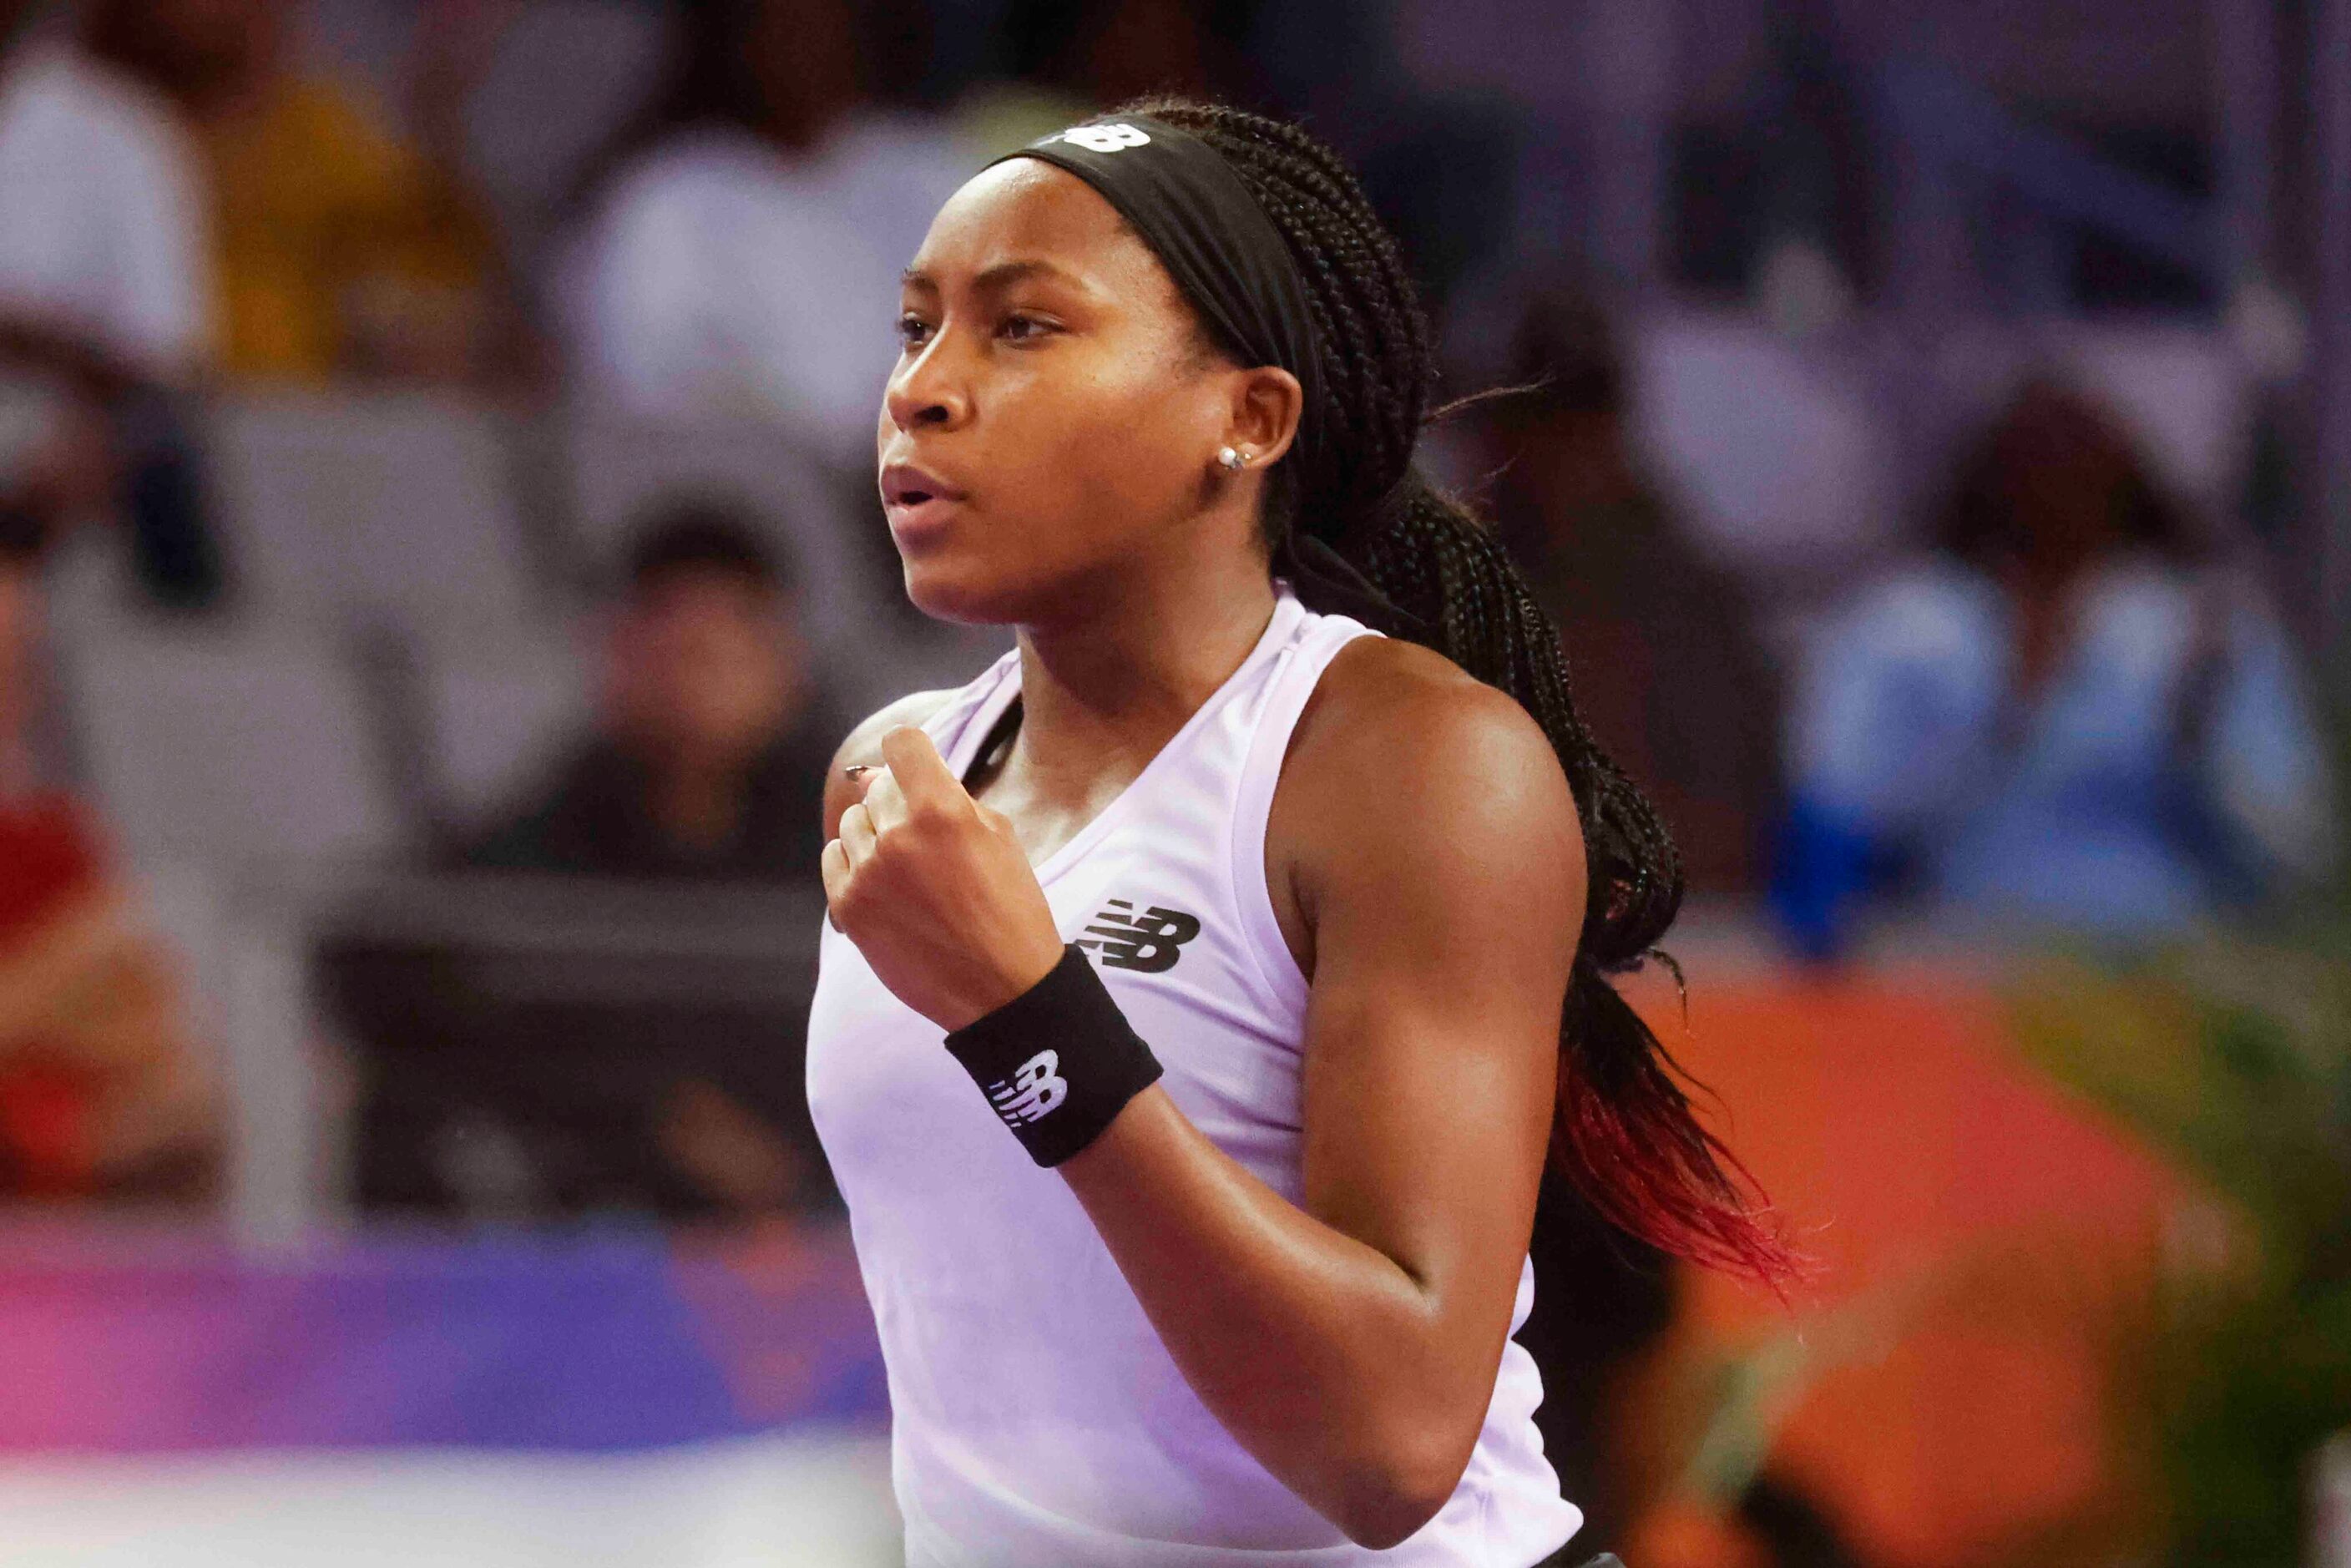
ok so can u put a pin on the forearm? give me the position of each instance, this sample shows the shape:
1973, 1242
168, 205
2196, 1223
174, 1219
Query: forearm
1323, 1356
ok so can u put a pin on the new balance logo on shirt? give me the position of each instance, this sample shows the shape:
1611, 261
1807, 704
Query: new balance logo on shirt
1031, 1091
1148, 942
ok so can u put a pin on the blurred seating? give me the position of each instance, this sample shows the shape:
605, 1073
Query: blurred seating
548, 1046
496, 717
1782, 456
351, 511
243, 752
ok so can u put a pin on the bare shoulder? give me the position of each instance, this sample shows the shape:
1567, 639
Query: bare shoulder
863, 745
1388, 709
1399, 752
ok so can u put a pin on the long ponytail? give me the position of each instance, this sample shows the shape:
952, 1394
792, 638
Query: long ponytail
1623, 1131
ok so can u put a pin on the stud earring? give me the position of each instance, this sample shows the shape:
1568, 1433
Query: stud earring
1233, 460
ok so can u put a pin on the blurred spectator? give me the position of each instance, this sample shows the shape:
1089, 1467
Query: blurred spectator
105, 292
338, 246
1679, 690
100, 1091
487, 1091
741, 253
1066, 59
2065, 714
710, 759
103, 272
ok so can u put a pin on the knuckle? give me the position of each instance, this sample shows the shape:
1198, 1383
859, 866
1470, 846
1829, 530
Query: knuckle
847, 899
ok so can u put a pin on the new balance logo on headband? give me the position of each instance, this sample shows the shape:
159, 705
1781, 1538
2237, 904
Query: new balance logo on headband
1031, 1091
1147, 941
1110, 138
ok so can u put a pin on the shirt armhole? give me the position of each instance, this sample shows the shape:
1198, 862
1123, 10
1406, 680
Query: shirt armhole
1291, 686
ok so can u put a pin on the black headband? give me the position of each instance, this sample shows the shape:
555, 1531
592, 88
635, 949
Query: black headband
1207, 228
1193, 211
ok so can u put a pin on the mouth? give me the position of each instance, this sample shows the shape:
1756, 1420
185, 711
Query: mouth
916, 501
903, 485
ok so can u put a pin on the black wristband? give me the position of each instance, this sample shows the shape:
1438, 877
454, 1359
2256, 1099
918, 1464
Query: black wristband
1057, 1061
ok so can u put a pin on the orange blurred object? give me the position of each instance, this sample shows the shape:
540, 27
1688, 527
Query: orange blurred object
1982, 1238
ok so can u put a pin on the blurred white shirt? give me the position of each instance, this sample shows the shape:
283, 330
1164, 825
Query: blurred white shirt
720, 279
103, 229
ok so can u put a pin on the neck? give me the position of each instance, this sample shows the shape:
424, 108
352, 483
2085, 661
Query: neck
1106, 686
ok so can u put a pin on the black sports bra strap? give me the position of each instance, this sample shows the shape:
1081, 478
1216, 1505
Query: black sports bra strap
999, 736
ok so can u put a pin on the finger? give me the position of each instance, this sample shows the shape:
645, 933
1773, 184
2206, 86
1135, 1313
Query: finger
994, 820
834, 866
885, 803
860, 776
856, 839
922, 774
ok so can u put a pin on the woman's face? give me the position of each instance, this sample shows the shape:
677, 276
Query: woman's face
1054, 417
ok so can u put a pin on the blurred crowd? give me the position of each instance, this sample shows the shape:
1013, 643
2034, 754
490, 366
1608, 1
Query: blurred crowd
2058, 701
312, 314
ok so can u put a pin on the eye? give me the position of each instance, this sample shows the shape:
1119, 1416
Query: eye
912, 330
1024, 329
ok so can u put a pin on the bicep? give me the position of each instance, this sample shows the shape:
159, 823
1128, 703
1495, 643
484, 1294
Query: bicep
1445, 914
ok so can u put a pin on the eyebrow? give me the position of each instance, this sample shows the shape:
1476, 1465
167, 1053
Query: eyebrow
1003, 275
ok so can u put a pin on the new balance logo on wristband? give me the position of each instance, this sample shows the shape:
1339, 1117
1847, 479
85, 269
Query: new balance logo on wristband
1148, 941
1055, 1114
1030, 1092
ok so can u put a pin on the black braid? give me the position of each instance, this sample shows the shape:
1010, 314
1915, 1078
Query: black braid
1624, 1132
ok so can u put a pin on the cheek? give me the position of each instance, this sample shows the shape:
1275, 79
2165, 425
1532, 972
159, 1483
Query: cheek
1106, 459
1081, 460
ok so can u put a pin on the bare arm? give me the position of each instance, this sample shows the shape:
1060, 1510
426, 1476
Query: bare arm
1350, 1343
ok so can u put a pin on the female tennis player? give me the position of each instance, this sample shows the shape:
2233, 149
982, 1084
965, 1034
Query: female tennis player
1212, 978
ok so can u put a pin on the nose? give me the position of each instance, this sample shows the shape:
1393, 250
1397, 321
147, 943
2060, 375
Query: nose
929, 389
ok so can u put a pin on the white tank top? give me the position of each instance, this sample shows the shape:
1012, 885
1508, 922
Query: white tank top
1036, 1417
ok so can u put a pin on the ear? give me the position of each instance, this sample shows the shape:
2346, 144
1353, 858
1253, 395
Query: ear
1267, 404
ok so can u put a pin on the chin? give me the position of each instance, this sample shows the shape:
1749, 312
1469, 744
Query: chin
959, 593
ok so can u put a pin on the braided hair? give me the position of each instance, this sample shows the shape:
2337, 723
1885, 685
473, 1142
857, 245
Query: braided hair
1623, 1132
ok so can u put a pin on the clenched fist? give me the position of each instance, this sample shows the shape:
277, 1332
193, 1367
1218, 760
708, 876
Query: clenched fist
935, 891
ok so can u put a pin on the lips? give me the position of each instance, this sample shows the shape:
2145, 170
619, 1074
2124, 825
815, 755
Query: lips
903, 485
918, 503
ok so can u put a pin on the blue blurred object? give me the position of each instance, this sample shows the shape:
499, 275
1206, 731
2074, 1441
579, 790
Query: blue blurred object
1821, 871
2168, 765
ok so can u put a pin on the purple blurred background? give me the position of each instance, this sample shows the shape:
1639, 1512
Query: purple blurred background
438, 553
